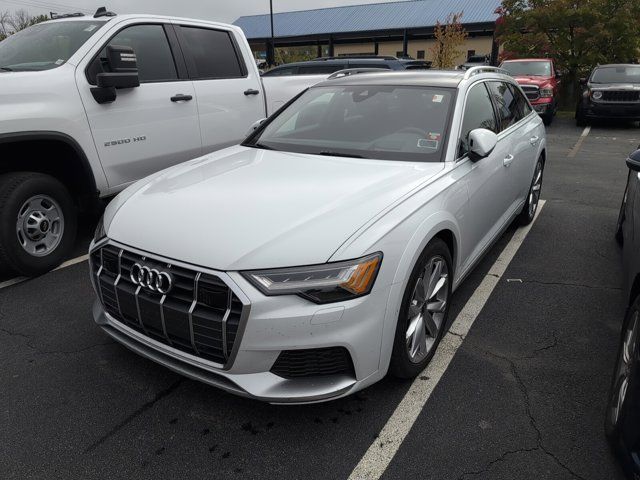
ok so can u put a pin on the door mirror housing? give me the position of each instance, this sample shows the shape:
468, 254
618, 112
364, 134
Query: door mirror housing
123, 65
481, 143
633, 162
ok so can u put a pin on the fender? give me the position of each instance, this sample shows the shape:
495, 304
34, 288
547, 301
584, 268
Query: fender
61, 137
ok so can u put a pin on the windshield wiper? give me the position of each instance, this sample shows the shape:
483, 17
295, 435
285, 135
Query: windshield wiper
261, 145
329, 153
6, 69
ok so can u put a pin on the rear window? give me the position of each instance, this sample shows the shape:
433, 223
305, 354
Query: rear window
213, 53
320, 69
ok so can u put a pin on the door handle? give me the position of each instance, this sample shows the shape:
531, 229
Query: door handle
507, 160
534, 140
181, 98
251, 91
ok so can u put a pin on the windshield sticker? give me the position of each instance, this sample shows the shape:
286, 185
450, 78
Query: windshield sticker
90, 28
426, 143
434, 136
437, 98
60, 61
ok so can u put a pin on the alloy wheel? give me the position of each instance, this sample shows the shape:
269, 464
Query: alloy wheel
623, 371
536, 188
427, 308
40, 225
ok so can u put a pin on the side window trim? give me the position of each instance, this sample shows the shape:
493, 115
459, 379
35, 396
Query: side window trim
106, 42
190, 61
464, 109
176, 50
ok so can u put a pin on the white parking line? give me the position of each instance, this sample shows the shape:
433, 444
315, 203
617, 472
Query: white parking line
379, 455
573, 152
68, 263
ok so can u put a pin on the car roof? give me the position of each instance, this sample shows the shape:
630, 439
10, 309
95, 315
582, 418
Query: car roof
418, 78
527, 60
617, 65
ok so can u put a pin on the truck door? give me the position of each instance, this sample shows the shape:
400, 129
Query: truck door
229, 92
149, 127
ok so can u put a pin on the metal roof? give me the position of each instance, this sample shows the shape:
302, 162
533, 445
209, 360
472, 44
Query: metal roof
370, 17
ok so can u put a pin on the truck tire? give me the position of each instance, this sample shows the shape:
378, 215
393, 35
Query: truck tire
38, 222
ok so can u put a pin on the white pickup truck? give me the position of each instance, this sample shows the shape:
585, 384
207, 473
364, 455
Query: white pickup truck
90, 104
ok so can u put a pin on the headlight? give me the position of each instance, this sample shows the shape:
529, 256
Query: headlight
597, 95
99, 233
546, 92
326, 283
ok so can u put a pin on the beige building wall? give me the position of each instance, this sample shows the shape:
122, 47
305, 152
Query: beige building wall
481, 45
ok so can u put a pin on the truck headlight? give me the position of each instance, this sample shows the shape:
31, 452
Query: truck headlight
597, 95
326, 283
546, 92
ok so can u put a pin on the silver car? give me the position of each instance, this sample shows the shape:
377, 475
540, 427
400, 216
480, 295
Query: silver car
306, 263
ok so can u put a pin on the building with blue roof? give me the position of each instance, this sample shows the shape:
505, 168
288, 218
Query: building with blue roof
402, 28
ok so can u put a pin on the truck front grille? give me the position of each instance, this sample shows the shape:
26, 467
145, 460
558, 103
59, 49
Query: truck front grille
531, 91
199, 315
620, 96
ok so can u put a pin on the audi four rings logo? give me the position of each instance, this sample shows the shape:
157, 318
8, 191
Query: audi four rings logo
151, 278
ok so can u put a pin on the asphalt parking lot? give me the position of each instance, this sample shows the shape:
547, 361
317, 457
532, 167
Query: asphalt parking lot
523, 397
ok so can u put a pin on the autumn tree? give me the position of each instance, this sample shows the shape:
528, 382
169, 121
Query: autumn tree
577, 34
449, 39
14, 22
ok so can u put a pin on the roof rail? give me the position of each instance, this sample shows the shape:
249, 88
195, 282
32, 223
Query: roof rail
470, 72
362, 56
347, 72
55, 16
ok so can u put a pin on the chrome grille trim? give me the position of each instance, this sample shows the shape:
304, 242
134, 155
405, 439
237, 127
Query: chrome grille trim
210, 313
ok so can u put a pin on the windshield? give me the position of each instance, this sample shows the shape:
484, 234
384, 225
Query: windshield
45, 45
630, 74
535, 69
378, 122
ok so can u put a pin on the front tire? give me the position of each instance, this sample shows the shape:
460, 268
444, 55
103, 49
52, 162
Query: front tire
423, 314
624, 373
38, 222
530, 208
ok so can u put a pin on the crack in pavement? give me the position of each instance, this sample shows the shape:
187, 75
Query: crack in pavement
568, 284
40, 351
15, 334
532, 420
501, 458
132, 416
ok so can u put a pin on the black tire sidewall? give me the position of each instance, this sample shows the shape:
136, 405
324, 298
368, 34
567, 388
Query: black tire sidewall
22, 187
524, 217
401, 366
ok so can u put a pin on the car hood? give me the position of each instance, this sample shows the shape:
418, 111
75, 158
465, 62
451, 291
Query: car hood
245, 208
614, 86
532, 80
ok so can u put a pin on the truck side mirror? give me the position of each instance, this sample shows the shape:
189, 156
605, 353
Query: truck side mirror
633, 162
123, 66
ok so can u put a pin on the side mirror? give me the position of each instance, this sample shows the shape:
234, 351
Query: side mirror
255, 126
633, 162
481, 143
123, 66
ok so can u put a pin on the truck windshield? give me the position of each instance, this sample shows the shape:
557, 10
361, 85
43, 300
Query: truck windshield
46, 45
534, 69
365, 121
630, 74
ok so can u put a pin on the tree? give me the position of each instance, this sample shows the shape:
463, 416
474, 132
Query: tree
11, 23
577, 34
449, 38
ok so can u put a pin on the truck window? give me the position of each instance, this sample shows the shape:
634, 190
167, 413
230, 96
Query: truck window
213, 53
149, 42
320, 69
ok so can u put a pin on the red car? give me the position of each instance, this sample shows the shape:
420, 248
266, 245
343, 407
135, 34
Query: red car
540, 81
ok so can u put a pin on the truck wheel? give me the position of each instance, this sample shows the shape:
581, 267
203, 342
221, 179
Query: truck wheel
38, 222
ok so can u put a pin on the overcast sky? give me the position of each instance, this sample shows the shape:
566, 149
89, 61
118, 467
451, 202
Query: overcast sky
219, 10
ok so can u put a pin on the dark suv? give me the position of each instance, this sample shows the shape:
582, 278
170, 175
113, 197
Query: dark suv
610, 92
329, 65
622, 422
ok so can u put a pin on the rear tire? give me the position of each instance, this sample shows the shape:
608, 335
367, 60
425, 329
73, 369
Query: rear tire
38, 222
423, 315
621, 218
530, 207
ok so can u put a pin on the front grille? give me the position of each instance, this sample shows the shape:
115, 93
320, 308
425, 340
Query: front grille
620, 96
200, 315
531, 91
313, 362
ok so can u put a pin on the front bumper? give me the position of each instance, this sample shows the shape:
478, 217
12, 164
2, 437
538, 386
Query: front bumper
273, 325
623, 111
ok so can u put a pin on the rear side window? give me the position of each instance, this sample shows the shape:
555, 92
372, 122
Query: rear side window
280, 72
523, 104
213, 53
319, 69
149, 42
478, 113
506, 104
